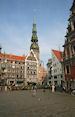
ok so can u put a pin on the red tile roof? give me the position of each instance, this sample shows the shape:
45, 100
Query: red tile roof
10, 56
58, 54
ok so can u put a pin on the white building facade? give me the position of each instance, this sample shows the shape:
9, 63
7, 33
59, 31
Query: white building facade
57, 72
31, 68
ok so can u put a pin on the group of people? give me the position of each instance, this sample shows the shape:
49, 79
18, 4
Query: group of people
5, 88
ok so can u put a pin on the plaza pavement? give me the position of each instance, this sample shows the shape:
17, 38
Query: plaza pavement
44, 104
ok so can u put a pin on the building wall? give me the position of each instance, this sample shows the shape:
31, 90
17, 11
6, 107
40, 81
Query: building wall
57, 75
14, 69
69, 51
42, 73
37, 54
49, 72
31, 68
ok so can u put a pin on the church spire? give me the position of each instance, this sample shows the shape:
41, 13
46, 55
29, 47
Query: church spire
34, 21
34, 40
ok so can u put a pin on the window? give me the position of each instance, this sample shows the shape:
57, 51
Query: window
49, 77
74, 25
16, 62
55, 77
67, 69
17, 76
55, 82
21, 67
35, 72
49, 82
21, 71
73, 49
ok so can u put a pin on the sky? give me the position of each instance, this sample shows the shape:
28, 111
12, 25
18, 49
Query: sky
16, 23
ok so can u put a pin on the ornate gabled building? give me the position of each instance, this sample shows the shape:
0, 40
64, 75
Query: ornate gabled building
69, 51
31, 68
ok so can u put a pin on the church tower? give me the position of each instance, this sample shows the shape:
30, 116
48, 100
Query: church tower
34, 41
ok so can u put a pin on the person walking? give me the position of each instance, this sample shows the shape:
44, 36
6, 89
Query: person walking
34, 92
5, 88
70, 89
53, 88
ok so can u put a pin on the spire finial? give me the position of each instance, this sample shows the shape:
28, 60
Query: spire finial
34, 16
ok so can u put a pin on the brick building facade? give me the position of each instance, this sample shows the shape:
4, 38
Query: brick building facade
12, 69
69, 51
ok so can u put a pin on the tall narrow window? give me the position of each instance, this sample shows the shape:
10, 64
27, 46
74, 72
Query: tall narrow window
17, 76
73, 49
74, 25
67, 69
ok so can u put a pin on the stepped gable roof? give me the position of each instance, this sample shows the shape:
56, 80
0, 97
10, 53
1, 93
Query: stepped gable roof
14, 57
57, 54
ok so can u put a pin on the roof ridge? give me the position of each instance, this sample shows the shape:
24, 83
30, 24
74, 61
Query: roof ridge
13, 56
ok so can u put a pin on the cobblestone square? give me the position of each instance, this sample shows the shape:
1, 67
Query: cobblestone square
44, 104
